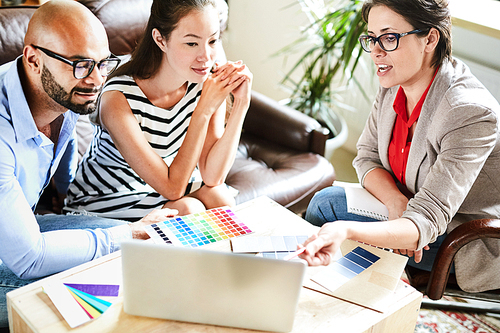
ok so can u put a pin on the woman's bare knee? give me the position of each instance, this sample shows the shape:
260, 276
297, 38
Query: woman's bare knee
216, 196
186, 205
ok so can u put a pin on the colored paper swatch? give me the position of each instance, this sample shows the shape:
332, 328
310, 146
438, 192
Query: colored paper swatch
198, 229
97, 289
344, 269
91, 311
97, 303
67, 306
290, 246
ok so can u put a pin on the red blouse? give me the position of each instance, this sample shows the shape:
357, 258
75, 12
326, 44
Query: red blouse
399, 146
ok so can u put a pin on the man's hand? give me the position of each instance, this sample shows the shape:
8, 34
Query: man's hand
157, 215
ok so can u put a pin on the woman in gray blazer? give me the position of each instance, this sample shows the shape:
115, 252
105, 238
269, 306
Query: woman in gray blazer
430, 150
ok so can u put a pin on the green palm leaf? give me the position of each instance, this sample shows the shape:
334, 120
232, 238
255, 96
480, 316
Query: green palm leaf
335, 50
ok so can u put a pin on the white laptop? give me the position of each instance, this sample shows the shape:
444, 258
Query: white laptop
209, 287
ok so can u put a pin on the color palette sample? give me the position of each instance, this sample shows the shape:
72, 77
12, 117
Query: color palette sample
290, 242
344, 269
198, 229
274, 247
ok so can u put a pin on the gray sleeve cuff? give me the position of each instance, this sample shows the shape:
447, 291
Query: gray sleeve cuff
427, 231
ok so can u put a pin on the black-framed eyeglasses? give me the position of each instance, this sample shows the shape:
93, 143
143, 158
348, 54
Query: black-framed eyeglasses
388, 42
82, 68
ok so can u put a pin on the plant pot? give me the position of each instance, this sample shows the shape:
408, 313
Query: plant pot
338, 140
338, 134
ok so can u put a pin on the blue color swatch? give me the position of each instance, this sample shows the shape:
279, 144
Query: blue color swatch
346, 268
354, 262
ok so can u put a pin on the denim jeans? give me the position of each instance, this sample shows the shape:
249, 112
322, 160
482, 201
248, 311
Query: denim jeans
330, 204
9, 281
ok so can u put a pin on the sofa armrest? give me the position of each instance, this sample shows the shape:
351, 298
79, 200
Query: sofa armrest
283, 125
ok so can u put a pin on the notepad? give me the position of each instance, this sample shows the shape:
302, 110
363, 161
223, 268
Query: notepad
361, 202
198, 229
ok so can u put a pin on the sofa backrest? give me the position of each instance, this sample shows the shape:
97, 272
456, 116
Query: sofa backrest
13, 26
124, 21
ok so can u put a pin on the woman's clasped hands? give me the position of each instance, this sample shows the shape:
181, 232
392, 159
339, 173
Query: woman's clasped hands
231, 77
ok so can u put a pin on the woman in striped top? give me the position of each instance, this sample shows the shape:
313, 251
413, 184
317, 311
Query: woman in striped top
163, 139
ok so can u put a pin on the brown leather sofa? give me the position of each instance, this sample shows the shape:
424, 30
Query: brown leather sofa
280, 152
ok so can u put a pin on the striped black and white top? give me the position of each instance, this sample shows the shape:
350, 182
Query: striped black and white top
105, 185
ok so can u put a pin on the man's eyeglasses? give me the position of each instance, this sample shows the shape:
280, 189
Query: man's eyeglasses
82, 68
388, 42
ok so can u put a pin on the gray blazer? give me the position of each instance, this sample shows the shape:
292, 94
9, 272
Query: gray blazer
453, 166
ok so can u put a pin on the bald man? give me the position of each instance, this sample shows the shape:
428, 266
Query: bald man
64, 64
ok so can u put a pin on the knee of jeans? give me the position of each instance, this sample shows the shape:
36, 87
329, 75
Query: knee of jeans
329, 193
313, 203
324, 197
313, 215
317, 199
317, 219
312, 207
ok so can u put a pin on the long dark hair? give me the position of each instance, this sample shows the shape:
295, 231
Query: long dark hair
165, 15
422, 14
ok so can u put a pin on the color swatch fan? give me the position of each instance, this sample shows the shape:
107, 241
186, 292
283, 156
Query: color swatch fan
198, 229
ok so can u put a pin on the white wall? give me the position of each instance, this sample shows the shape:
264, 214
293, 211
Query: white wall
256, 30
259, 28
482, 54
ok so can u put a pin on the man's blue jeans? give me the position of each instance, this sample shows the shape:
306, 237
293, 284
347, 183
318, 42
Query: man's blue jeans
330, 204
9, 281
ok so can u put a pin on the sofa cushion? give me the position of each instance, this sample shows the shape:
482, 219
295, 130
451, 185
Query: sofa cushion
289, 177
267, 115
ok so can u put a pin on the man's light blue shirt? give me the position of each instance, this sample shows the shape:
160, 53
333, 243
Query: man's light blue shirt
28, 160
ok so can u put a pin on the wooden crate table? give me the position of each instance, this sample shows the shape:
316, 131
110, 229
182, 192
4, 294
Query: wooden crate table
31, 310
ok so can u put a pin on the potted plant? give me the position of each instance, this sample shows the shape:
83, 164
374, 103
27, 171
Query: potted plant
331, 53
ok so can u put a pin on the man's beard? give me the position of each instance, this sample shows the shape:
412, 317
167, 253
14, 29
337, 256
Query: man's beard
59, 95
